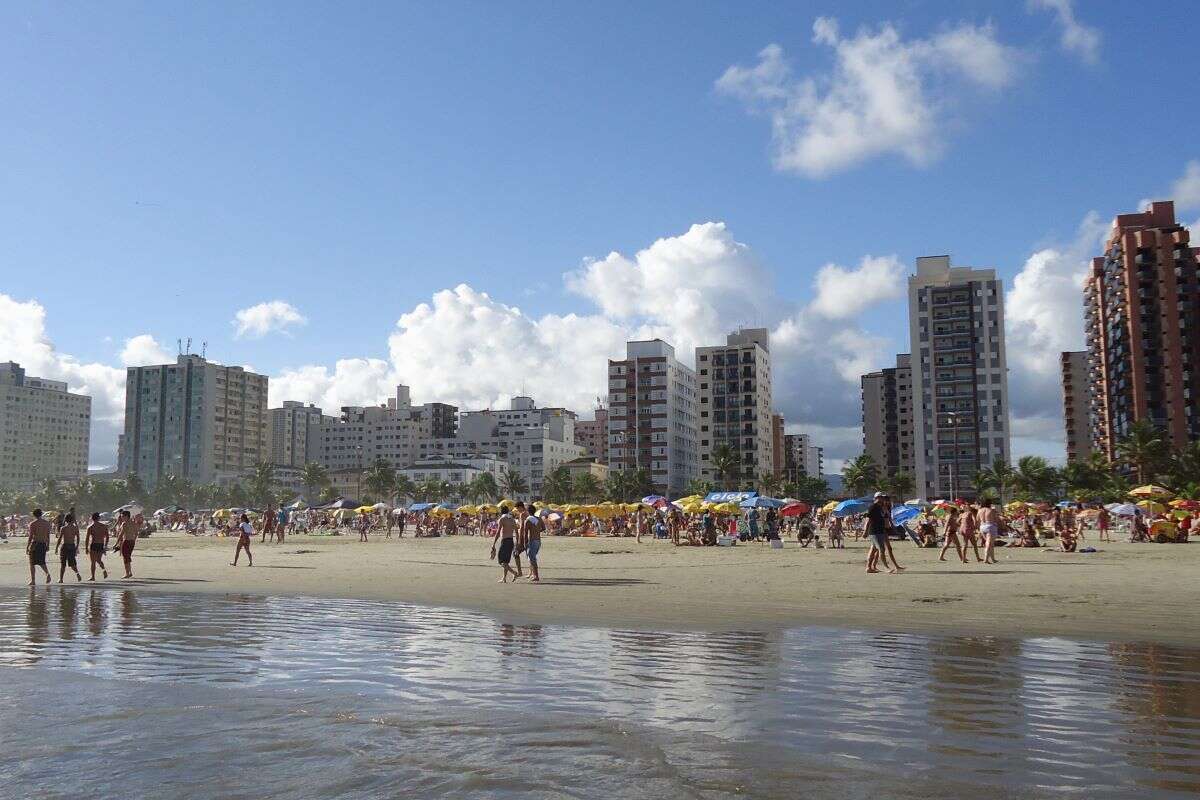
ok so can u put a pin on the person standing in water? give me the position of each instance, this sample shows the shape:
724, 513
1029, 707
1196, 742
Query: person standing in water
97, 543
127, 534
67, 548
245, 532
37, 545
506, 531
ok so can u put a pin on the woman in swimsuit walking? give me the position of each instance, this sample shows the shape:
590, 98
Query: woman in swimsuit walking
245, 531
950, 531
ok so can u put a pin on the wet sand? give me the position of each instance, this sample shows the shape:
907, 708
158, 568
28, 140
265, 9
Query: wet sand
1129, 592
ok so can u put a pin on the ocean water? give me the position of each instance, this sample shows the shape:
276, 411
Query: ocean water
111, 693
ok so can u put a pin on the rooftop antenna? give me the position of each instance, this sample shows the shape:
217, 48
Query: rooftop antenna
179, 346
203, 349
189, 345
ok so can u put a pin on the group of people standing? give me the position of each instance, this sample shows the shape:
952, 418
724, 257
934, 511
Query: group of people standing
963, 527
65, 531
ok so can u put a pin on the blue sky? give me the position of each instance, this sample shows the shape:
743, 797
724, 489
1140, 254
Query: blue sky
166, 165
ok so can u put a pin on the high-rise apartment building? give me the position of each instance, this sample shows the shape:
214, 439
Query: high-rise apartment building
1076, 405
295, 433
959, 375
592, 435
652, 415
887, 417
1143, 330
802, 458
777, 434
532, 440
735, 403
393, 432
45, 430
194, 419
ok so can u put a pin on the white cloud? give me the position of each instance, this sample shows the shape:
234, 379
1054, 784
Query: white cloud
23, 339
1043, 317
1186, 191
259, 320
1082, 40
842, 292
352, 382
884, 94
144, 350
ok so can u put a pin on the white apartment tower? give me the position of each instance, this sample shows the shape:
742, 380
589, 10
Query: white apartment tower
735, 404
652, 415
295, 433
44, 430
959, 375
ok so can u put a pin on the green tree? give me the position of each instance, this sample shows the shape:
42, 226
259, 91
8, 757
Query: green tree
403, 488
812, 490
899, 485
237, 496
484, 488
135, 490
314, 477
514, 484
699, 486
587, 487
860, 475
260, 484
999, 476
725, 465
1035, 479
380, 480
769, 484
1143, 450
556, 488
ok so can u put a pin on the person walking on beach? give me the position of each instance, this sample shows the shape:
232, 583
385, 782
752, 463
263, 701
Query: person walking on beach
268, 525
245, 532
879, 519
281, 521
531, 538
989, 526
97, 543
1102, 524
403, 521
506, 531
950, 531
519, 516
67, 548
37, 545
127, 534
967, 527
364, 524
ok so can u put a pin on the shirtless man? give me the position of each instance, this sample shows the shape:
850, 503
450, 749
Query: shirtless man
67, 548
268, 525
97, 543
37, 545
506, 531
531, 537
989, 526
127, 533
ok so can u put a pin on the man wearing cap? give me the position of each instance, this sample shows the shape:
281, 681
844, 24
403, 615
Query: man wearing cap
879, 520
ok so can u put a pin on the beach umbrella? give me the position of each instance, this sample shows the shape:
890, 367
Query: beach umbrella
1151, 506
380, 506
1150, 490
1065, 504
830, 506
655, 500
1186, 505
852, 506
467, 510
919, 503
762, 502
1123, 509
904, 513
796, 509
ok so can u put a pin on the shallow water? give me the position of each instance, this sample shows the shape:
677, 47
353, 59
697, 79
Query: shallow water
109, 692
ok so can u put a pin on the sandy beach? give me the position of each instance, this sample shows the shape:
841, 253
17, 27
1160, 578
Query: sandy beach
1128, 592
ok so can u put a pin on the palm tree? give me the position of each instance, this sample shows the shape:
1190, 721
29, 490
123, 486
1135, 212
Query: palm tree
1185, 466
556, 488
699, 486
485, 487
616, 487
813, 491
1034, 479
586, 486
315, 477
402, 487
380, 479
999, 476
1143, 450
514, 484
769, 484
725, 465
860, 475
639, 484
261, 483
49, 495
900, 485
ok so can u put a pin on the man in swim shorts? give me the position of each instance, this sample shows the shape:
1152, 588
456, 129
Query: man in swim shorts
97, 543
37, 545
506, 531
67, 547
989, 526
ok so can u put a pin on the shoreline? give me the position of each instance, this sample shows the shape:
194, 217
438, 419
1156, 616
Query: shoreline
1126, 592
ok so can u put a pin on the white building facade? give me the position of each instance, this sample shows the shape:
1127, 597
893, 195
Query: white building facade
735, 403
45, 431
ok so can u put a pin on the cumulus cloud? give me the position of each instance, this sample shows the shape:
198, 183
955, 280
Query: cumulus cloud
842, 292
351, 382
143, 350
24, 339
883, 95
1186, 190
1043, 317
274, 316
1076, 38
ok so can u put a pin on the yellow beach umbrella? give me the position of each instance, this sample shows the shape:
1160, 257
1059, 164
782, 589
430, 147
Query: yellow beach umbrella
1150, 490
830, 506
467, 510
1151, 506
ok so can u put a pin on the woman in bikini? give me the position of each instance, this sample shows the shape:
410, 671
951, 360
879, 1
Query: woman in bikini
950, 531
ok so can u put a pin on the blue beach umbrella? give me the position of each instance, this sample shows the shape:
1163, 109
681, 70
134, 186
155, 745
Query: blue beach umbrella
762, 502
902, 514
852, 506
